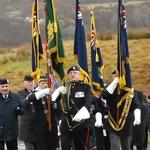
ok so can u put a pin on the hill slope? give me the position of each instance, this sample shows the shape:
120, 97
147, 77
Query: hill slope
16, 62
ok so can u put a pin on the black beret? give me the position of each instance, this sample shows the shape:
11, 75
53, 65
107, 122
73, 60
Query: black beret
28, 78
4, 81
43, 78
73, 68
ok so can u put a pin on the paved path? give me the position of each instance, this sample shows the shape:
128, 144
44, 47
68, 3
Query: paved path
21, 147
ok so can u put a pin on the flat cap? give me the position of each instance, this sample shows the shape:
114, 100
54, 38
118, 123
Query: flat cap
4, 81
73, 68
28, 78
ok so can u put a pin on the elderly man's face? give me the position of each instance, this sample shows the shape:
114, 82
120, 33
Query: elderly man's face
4, 89
29, 85
74, 75
43, 84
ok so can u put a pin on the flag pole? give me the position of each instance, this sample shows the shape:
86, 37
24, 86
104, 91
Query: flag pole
48, 64
118, 42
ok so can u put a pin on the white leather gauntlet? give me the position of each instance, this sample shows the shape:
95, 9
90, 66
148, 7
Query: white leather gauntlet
137, 117
41, 93
98, 118
57, 92
112, 86
82, 114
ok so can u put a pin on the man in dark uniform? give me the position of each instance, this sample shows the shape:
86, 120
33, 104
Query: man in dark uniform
138, 134
101, 114
37, 135
25, 120
76, 105
120, 128
147, 123
55, 109
10, 108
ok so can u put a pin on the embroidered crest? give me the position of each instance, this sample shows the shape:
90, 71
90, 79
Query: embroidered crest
50, 31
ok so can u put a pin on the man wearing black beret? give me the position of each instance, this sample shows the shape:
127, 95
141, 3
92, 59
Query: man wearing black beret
28, 78
76, 105
73, 68
10, 108
25, 134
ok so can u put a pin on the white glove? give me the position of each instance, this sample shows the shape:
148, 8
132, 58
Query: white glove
98, 122
41, 93
58, 127
62, 89
111, 87
82, 114
57, 92
137, 117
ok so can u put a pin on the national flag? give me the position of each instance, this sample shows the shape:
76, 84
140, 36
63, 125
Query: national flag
123, 51
37, 50
80, 44
96, 58
54, 39
124, 98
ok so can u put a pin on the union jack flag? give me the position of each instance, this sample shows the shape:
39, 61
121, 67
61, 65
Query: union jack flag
80, 44
123, 19
96, 59
93, 36
118, 116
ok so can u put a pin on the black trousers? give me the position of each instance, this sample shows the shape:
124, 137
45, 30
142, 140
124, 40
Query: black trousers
146, 137
76, 139
11, 145
102, 142
49, 143
138, 147
53, 140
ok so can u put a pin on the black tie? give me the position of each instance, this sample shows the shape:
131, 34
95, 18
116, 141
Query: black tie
5, 96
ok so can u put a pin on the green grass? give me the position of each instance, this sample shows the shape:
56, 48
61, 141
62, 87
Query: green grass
15, 71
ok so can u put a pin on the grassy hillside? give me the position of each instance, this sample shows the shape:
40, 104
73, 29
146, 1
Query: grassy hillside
15, 62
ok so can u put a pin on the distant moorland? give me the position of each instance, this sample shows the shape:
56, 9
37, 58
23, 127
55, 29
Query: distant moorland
15, 17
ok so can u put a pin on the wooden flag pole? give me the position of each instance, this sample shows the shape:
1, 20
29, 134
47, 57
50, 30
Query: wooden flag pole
48, 63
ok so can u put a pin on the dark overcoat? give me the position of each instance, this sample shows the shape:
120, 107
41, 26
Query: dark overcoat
34, 123
10, 108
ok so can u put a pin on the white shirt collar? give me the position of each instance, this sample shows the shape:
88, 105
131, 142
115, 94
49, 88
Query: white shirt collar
5, 96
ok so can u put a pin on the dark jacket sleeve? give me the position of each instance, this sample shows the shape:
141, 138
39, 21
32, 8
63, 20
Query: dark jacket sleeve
135, 102
88, 97
23, 98
19, 110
